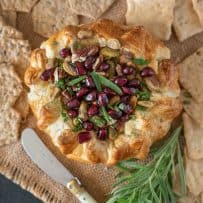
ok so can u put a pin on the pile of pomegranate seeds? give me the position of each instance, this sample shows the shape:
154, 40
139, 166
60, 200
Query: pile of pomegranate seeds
97, 89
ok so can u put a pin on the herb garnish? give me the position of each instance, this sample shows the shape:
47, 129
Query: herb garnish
77, 124
150, 182
106, 116
76, 80
104, 81
96, 80
140, 61
64, 115
61, 84
141, 108
143, 95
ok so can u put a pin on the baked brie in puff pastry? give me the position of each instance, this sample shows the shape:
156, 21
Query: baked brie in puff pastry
103, 91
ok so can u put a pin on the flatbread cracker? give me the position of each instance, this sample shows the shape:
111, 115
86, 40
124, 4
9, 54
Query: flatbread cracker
10, 17
9, 126
193, 133
10, 85
17, 52
22, 105
10, 32
188, 198
194, 175
91, 8
191, 74
195, 110
18, 5
186, 22
155, 15
113, 14
198, 7
49, 16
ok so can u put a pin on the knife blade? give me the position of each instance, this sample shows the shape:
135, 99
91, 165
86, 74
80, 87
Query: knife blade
48, 163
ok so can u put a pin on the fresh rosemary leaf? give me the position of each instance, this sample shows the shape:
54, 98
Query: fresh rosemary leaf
150, 182
106, 116
61, 84
104, 81
96, 80
140, 61
143, 95
64, 115
76, 80
141, 108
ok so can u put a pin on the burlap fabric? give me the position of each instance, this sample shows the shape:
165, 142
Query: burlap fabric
97, 179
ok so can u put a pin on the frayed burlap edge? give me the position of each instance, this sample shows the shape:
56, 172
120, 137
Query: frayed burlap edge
26, 181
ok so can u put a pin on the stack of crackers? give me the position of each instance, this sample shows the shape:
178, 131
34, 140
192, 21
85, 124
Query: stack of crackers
158, 17
14, 57
191, 79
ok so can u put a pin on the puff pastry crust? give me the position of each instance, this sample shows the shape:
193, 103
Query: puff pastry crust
139, 132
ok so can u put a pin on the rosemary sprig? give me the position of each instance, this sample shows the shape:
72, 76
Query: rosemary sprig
150, 182
76, 80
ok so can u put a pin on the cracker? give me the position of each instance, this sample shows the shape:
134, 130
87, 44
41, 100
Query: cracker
10, 32
194, 175
91, 8
49, 16
17, 52
9, 126
186, 22
194, 137
18, 5
198, 7
155, 15
191, 74
10, 85
10, 17
22, 105
195, 110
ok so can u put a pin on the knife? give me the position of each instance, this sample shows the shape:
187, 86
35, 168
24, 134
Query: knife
46, 161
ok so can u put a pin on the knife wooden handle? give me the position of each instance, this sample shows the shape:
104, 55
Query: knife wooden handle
82, 195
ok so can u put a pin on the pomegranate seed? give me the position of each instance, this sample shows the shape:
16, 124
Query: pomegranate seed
127, 90
92, 96
104, 66
84, 137
121, 80
114, 114
124, 118
128, 70
93, 110
147, 72
80, 68
134, 83
103, 99
82, 92
109, 92
73, 103
88, 125
89, 82
102, 134
65, 52
125, 99
47, 74
89, 62
72, 113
